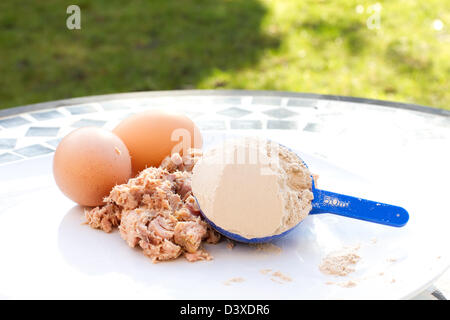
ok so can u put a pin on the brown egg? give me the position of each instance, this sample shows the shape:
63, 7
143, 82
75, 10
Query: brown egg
88, 163
152, 135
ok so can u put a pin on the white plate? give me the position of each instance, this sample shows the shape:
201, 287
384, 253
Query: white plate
46, 251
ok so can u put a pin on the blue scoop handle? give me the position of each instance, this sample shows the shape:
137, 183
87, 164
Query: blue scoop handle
343, 205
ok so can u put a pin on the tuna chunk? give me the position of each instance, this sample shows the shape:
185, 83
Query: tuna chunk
189, 235
126, 196
166, 250
105, 218
212, 236
129, 227
163, 227
192, 205
184, 163
198, 255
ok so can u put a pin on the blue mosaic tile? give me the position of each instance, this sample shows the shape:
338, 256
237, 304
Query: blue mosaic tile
13, 122
272, 101
282, 124
312, 127
42, 132
47, 115
150, 103
8, 157
211, 125
7, 143
185, 100
280, 113
302, 103
234, 112
114, 105
33, 150
246, 124
54, 142
88, 123
227, 100
75, 110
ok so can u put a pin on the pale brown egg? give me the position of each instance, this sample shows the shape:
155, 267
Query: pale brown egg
152, 135
88, 163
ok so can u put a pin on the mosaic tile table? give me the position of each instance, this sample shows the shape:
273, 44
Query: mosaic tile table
347, 131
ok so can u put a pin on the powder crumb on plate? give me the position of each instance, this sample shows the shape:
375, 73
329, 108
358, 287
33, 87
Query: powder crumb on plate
276, 276
266, 247
265, 271
348, 284
345, 284
281, 276
392, 260
373, 240
276, 280
340, 263
233, 280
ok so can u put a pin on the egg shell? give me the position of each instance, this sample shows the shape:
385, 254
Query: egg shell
88, 163
152, 135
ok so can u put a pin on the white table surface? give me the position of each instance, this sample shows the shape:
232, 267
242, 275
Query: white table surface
345, 130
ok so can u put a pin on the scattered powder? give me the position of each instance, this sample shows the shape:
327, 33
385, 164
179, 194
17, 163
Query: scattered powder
266, 247
281, 276
340, 263
347, 284
373, 240
276, 280
233, 280
265, 271
276, 276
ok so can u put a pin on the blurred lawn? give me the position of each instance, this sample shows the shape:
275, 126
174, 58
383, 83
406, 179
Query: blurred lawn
294, 45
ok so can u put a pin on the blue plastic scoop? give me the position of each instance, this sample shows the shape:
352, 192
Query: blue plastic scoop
335, 203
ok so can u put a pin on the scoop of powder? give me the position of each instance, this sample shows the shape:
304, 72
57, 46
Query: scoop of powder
252, 187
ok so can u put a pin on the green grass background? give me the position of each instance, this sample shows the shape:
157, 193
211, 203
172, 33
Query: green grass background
293, 45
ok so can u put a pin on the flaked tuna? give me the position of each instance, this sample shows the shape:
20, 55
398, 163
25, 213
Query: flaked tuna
157, 212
